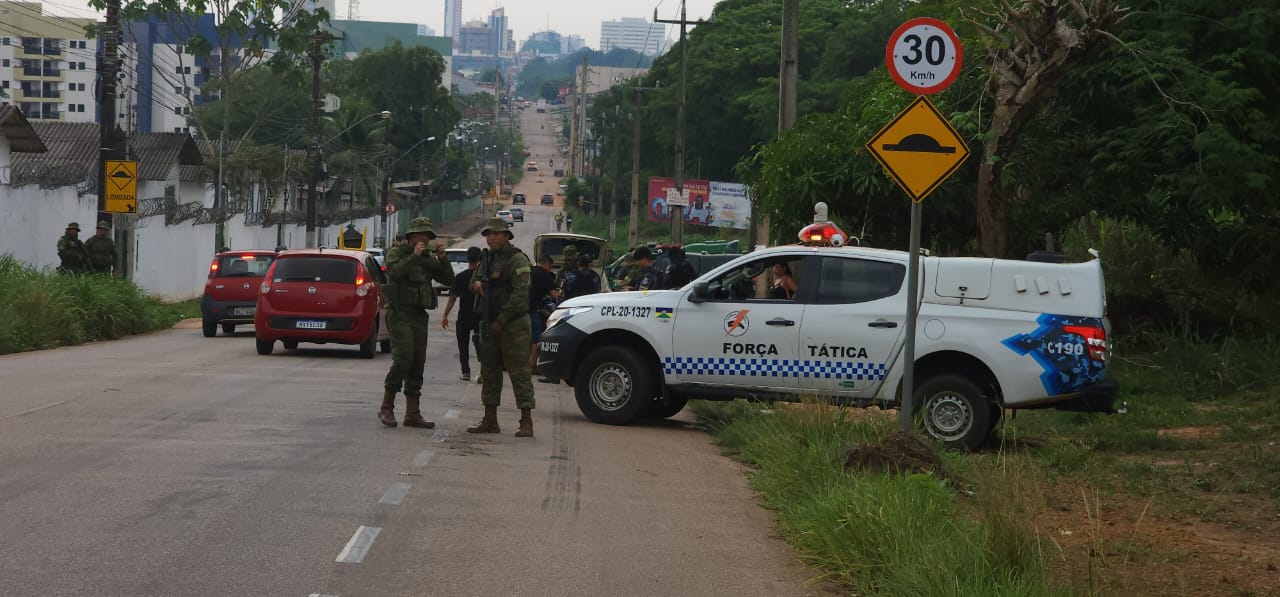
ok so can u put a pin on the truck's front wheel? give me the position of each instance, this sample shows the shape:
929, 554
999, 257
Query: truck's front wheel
614, 386
953, 410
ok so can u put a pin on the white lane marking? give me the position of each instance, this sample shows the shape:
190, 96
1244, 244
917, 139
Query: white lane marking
321, 595
37, 409
359, 545
423, 457
395, 494
440, 434
452, 413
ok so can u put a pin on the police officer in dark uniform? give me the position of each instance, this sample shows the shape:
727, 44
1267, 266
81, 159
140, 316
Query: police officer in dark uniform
411, 266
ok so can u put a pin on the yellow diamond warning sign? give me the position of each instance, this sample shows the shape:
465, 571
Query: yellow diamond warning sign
919, 148
122, 186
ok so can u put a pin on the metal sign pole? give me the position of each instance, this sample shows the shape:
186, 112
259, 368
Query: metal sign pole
913, 306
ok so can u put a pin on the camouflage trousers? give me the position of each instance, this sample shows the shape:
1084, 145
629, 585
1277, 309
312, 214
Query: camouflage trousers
510, 351
408, 331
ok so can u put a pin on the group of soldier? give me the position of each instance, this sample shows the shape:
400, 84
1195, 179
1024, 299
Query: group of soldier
499, 319
96, 255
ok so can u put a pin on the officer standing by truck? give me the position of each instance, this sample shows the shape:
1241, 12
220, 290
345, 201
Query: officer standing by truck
411, 266
102, 250
502, 285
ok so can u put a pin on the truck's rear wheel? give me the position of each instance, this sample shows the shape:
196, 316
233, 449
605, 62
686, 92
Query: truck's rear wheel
614, 386
953, 410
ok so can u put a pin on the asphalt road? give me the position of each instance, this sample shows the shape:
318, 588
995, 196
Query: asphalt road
172, 464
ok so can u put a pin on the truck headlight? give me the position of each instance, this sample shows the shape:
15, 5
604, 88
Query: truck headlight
563, 314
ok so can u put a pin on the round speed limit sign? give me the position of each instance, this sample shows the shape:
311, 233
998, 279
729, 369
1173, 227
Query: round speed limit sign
924, 56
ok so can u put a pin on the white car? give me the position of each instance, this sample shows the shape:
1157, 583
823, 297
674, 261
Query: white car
505, 216
992, 334
458, 261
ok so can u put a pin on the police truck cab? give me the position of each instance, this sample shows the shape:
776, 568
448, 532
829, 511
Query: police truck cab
992, 334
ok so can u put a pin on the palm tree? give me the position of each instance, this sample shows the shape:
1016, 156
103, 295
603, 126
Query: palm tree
356, 149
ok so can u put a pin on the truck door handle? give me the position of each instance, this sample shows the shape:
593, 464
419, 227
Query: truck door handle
780, 321
880, 323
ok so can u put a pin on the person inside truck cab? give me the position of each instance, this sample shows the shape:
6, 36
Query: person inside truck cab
784, 283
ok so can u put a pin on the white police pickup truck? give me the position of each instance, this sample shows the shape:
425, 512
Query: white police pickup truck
991, 335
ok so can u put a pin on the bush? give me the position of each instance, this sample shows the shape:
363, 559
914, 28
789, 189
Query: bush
42, 309
1150, 287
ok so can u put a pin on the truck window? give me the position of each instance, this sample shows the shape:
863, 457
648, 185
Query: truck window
845, 280
739, 283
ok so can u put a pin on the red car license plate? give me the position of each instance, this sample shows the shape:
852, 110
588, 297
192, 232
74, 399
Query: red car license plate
309, 325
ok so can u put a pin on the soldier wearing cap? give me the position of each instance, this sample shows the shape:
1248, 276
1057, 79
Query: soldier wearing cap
411, 266
74, 257
501, 284
101, 250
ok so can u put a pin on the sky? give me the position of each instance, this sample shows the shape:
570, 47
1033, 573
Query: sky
524, 17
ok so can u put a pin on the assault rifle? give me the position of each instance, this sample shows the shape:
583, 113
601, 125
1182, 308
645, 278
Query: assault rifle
486, 298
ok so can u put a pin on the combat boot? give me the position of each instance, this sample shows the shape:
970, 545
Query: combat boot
526, 423
489, 424
387, 412
412, 416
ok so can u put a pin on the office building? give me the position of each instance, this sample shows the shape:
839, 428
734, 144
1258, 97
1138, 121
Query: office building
630, 33
453, 20
570, 44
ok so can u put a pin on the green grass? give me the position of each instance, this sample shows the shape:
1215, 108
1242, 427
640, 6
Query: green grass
42, 309
1197, 444
877, 533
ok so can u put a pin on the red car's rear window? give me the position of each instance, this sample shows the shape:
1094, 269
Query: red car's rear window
338, 270
241, 266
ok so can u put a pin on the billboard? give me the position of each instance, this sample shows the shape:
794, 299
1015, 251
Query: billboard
717, 204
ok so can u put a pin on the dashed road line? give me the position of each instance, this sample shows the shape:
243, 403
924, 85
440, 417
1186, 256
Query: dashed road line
423, 457
358, 546
395, 494
36, 409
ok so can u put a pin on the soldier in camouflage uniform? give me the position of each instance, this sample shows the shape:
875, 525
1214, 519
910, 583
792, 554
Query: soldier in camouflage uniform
411, 266
101, 250
570, 264
74, 257
501, 285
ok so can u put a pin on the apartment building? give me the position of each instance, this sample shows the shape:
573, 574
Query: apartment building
47, 64
633, 34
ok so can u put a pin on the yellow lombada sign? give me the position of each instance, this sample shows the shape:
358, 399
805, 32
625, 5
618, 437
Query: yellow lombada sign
919, 149
122, 186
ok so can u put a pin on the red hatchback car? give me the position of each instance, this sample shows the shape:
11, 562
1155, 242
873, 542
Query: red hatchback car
231, 293
322, 296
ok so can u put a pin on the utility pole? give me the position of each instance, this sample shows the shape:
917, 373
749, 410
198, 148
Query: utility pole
633, 227
386, 195
109, 145
582, 119
677, 211
313, 148
788, 76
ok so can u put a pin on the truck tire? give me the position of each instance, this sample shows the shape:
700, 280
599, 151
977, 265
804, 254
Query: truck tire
210, 328
670, 408
953, 410
265, 346
614, 386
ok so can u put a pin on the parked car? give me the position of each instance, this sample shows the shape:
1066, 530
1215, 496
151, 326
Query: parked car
559, 173
547, 199
322, 296
506, 216
517, 214
458, 261
231, 293
518, 199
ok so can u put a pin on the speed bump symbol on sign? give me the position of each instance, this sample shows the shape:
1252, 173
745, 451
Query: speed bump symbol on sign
122, 186
919, 149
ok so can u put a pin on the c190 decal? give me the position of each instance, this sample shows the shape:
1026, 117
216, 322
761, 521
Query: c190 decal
1063, 356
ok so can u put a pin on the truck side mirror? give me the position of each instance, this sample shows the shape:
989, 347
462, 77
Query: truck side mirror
700, 293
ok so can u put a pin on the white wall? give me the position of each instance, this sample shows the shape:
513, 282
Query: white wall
169, 261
